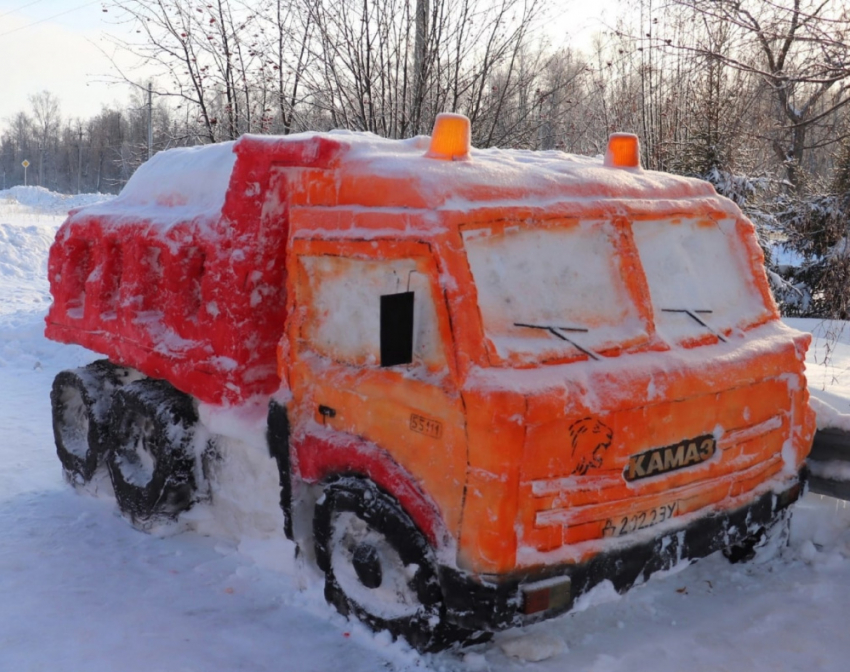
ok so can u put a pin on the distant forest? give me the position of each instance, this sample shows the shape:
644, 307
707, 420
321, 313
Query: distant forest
749, 94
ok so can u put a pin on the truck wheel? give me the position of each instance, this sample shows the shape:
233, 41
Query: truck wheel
378, 566
152, 461
81, 400
763, 545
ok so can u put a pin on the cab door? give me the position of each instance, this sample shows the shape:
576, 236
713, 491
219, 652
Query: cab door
372, 376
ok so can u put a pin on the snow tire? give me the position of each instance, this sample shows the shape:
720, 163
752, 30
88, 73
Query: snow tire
364, 542
152, 459
81, 401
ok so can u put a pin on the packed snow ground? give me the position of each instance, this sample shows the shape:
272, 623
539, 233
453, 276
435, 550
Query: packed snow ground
84, 591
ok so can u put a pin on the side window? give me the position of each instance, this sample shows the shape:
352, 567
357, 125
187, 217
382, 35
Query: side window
340, 300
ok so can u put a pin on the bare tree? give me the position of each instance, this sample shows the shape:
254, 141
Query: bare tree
46, 120
800, 49
286, 29
206, 53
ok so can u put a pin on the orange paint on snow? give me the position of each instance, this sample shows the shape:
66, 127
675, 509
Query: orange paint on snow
623, 151
451, 138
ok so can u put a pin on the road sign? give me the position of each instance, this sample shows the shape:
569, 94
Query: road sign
25, 163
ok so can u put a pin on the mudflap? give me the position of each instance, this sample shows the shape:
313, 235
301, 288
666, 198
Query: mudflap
277, 436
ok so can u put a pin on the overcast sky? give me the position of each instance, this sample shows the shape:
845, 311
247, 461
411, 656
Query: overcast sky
63, 46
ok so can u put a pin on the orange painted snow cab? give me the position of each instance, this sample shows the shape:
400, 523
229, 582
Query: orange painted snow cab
502, 377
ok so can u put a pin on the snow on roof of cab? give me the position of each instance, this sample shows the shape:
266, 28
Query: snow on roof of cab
176, 184
496, 174
188, 183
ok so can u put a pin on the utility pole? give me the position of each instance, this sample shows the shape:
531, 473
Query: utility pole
150, 120
419, 61
545, 132
80, 159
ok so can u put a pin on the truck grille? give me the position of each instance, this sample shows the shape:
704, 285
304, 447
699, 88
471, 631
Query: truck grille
601, 503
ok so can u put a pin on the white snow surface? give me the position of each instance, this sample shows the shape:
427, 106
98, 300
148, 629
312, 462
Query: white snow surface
697, 266
835, 470
511, 171
175, 185
532, 647
38, 201
83, 591
191, 183
29, 217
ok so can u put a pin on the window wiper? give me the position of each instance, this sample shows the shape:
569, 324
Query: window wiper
556, 331
695, 317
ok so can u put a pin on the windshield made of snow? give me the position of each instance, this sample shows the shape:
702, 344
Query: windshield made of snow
551, 291
699, 278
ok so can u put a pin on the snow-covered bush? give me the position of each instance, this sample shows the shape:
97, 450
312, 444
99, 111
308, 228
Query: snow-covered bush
815, 228
804, 237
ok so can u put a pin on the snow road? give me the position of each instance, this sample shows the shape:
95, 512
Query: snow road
84, 591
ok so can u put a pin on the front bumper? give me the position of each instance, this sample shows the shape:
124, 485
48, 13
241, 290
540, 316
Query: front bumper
482, 605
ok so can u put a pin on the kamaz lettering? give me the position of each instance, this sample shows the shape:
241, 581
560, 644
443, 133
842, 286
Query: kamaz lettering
669, 458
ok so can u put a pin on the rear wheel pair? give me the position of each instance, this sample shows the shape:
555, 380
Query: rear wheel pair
81, 401
378, 565
141, 429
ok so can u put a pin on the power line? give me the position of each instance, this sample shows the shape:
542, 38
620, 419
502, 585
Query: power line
50, 18
12, 11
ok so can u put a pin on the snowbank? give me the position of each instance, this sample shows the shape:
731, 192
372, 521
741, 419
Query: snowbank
45, 202
23, 252
828, 369
29, 218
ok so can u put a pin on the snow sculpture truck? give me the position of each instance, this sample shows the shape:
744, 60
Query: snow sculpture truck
494, 379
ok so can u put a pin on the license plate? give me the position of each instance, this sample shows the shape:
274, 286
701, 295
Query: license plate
617, 527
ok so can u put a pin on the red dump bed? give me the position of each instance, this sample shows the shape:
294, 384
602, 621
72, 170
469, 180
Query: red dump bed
182, 275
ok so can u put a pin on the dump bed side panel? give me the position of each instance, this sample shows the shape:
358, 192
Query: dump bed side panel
167, 305
197, 299
198, 302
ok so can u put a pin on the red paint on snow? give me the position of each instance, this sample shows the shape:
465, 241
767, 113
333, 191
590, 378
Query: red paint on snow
318, 458
199, 302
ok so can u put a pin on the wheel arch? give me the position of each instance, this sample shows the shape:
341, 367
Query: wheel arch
323, 461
